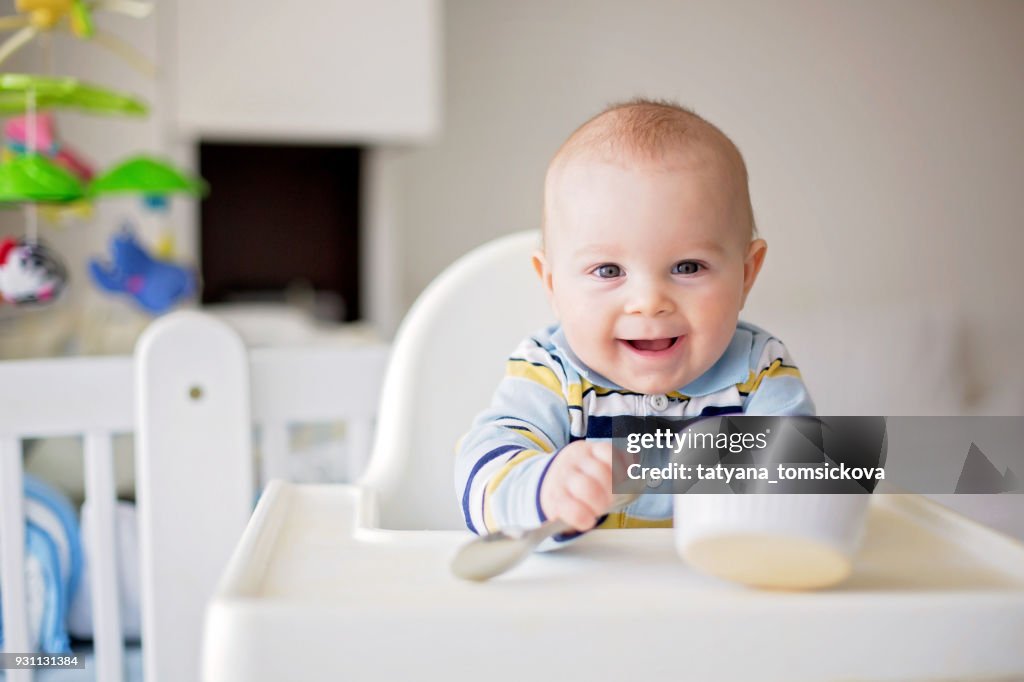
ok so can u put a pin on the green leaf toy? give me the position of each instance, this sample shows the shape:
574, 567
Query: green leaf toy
34, 178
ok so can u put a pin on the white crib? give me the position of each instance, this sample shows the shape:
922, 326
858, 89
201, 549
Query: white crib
191, 394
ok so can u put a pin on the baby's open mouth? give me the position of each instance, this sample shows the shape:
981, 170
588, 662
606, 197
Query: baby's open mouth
652, 344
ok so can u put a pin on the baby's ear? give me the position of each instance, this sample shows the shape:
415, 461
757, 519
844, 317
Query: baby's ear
752, 265
543, 269
540, 265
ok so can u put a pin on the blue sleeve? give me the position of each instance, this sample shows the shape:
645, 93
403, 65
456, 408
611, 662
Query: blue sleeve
776, 387
501, 462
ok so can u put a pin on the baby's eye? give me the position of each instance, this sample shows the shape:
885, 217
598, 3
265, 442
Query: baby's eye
607, 271
686, 267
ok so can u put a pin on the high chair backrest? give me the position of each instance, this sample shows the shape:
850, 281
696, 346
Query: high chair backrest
447, 360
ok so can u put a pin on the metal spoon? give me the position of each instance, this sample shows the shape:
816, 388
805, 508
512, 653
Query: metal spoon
489, 555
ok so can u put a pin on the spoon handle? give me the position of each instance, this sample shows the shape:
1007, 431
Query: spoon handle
554, 527
535, 536
489, 555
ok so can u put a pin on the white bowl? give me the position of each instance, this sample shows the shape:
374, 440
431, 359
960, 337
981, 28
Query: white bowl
785, 541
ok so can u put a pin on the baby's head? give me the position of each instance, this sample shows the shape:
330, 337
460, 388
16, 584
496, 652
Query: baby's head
649, 244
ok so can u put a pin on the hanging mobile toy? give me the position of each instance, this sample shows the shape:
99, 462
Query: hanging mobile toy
30, 272
43, 16
32, 178
48, 143
51, 92
155, 180
36, 168
154, 284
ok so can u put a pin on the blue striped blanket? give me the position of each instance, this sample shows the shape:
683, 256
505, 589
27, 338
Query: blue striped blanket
53, 565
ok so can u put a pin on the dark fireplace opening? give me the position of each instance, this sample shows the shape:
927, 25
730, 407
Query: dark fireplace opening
281, 219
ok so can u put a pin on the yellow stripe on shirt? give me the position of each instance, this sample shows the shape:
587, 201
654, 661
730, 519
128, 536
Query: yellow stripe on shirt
537, 440
624, 520
497, 478
545, 376
776, 369
576, 390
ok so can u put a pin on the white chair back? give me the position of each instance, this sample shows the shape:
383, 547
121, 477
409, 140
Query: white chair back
447, 359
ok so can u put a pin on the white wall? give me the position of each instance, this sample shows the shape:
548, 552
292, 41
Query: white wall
885, 140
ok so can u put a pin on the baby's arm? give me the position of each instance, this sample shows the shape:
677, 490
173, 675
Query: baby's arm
517, 468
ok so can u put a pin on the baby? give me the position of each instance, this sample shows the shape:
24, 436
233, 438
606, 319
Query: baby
648, 255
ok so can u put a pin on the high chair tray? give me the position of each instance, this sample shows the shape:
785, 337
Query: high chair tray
309, 595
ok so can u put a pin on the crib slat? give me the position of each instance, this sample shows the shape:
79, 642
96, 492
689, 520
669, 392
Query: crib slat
12, 554
101, 495
273, 451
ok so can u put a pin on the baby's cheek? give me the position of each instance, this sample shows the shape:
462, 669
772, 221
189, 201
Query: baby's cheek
719, 306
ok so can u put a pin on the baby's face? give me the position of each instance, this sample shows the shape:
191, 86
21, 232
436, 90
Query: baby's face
647, 268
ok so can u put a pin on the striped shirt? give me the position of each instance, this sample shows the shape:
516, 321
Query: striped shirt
548, 399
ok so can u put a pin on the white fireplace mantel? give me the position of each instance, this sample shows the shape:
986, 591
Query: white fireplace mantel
344, 72
326, 70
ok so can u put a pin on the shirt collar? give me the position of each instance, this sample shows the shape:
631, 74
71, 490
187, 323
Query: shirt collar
562, 344
730, 369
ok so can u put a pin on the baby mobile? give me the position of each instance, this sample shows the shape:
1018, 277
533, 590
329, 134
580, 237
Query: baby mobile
41, 173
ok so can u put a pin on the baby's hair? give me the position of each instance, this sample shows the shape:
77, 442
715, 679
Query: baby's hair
649, 130
637, 127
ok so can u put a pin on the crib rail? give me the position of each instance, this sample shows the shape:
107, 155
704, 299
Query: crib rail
315, 385
12, 554
91, 397
188, 414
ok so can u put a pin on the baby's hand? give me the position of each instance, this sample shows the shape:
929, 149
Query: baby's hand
578, 487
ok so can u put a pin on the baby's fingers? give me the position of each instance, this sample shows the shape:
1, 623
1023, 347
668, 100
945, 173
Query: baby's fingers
576, 513
596, 495
602, 452
597, 467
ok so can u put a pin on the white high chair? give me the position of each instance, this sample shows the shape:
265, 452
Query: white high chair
353, 581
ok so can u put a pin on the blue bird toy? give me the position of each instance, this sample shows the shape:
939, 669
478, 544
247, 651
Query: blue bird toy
155, 285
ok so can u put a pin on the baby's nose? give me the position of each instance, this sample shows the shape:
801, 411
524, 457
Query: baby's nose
650, 299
